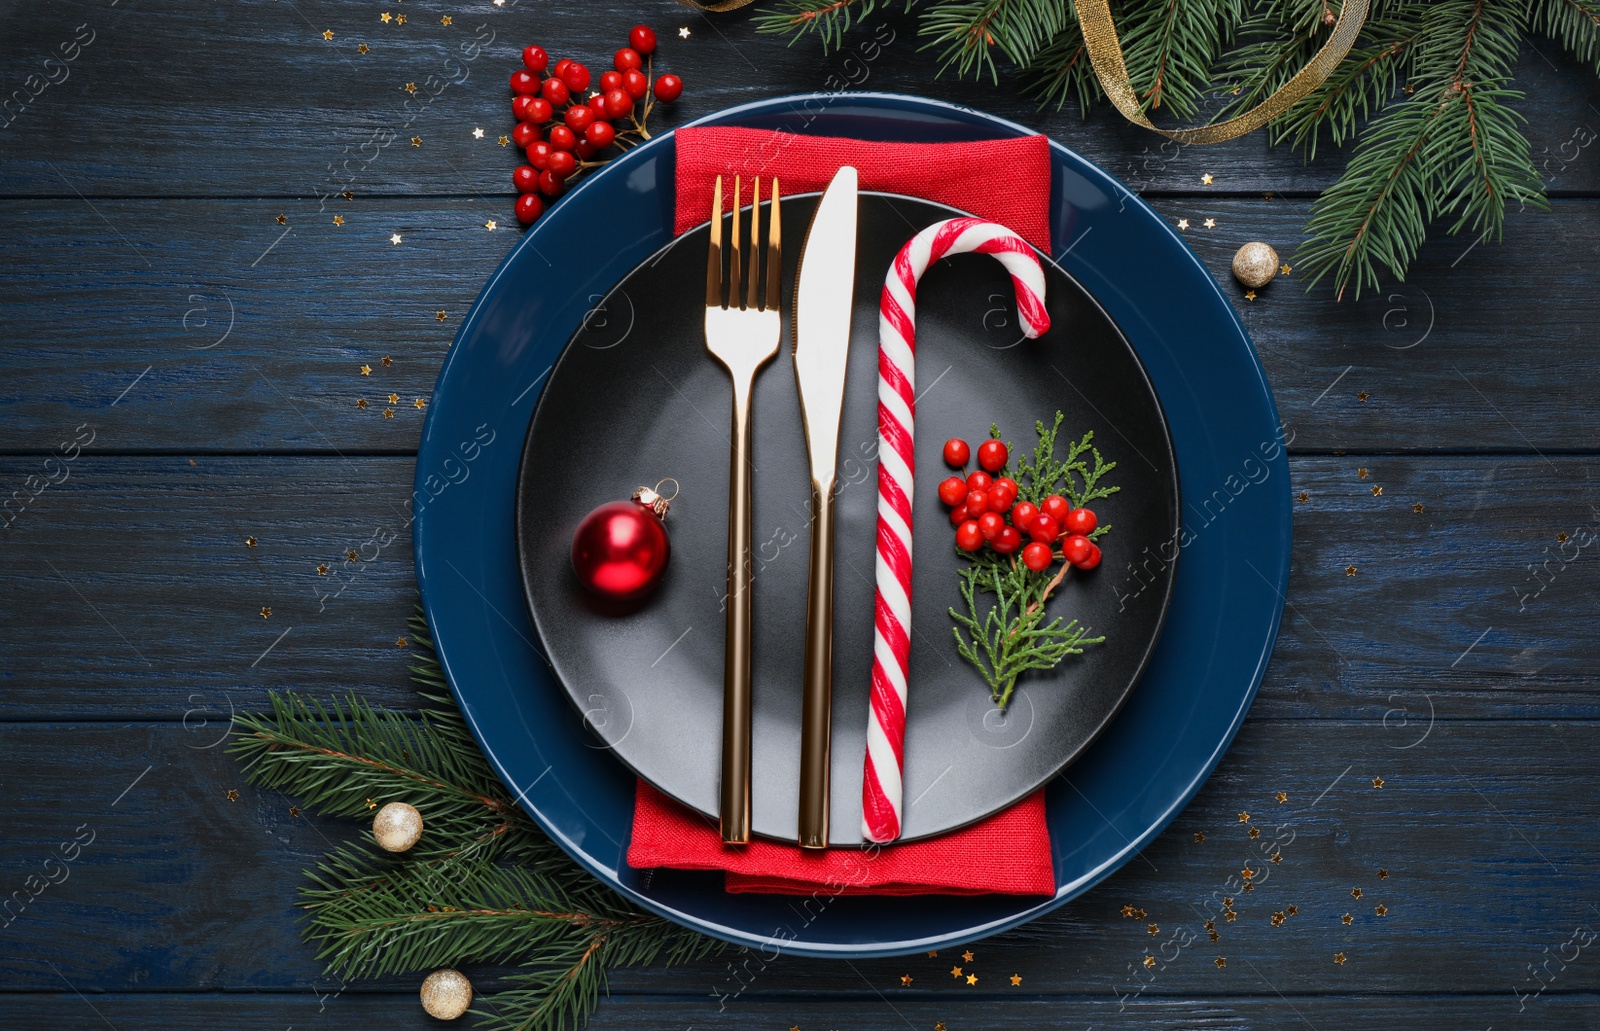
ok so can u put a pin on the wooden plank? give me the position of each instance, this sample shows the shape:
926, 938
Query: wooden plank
959, 1011
205, 326
1485, 844
305, 115
133, 595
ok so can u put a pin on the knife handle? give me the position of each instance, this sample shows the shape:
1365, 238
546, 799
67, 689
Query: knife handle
735, 801
816, 700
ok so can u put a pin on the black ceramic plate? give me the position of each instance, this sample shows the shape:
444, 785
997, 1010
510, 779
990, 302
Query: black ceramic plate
635, 398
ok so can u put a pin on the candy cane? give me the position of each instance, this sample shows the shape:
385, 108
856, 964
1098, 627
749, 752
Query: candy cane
897, 405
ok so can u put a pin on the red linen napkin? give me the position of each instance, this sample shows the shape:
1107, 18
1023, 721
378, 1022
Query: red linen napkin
1008, 853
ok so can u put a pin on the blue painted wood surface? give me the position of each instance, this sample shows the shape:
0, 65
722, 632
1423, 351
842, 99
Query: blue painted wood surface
205, 359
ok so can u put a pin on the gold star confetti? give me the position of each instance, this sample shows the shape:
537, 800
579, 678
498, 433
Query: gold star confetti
410, 87
938, 1025
388, 360
394, 399
1303, 497
1016, 979
1244, 817
363, 48
441, 316
1183, 223
683, 33
1377, 492
1382, 910
1199, 838
967, 955
1293, 911
1210, 223
1284, 270
1348, 919
1355, 893
1227, 901
489, 225
1377, 782
399, 19
283, 220
445, 20
1363, 396
1231, 915
233, 795
384, 17
1149, 961
416, 141
348, 195
1127, 911
1206, 179
420, 403
1383, 875
294, 810
1153, 930
1255, 832
1277, 919
327, 33
477, 134
1283, 796
338, 220
1211, 925
1247, 873
1220, 962
350, 556
1249, 886
322, 570
400, 642
266, 612
972, 978
1417, 508
1215, 936
394, 238
1561, 538
1361, 474
249, 542
366, 370
1349, 570
1249, 295
905, 980
388, 413
1138, 914
1338, 957
1276, 857
1409, 88
955, 971
504, 140
934, 954
371, 804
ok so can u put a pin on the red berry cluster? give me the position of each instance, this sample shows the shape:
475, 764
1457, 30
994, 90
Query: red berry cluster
581, 127
980, 504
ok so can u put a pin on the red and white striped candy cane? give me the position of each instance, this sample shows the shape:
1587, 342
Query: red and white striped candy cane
897, 405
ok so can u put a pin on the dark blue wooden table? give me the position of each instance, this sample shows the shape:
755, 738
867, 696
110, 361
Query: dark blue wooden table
182, 445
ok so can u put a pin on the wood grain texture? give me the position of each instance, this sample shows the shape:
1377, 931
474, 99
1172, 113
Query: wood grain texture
299, 109
203, 326
1481, 836
133, 596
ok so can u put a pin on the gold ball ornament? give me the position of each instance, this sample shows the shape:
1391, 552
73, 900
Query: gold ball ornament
1255, 264
446, 994
397, 826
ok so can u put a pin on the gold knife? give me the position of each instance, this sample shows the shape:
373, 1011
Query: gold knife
823, 298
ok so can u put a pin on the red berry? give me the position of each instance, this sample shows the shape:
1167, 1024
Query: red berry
1092, 559
584, 149
539, 155
1044, 529
610, 81
958, 515
642, 39
555, 91
953, 491
627, 58
562, 163
599, 135
525, 178
1007, 540
1077, 549
539, 110
529, 207
992, 455
635, 84
979, 480
977, 502
968, 536
525, 134
990, 524
1056, 507
956, 452
524, 82
668, 87
1080, 521
1037, 556
535, 58
576, 77
1003, 494
551, 184
617, 102
578, 118
519, 107
1022, 514
562, 138
561, 66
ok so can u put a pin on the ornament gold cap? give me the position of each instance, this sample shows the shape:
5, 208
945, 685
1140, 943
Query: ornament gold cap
654, 500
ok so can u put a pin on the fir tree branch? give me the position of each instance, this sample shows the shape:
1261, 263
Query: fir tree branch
1573, 23
828, 20
967, 32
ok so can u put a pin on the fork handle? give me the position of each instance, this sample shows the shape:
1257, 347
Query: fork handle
735, 801
816, 700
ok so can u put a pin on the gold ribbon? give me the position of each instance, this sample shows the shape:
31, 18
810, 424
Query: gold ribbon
1105, 53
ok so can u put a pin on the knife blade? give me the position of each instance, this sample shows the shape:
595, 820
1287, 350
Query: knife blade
824, 292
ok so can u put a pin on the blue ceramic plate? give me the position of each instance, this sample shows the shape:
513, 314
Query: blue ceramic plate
1226, 601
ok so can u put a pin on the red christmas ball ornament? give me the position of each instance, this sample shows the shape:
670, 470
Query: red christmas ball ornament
621, 548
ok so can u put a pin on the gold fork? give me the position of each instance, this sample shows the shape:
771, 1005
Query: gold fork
743, 336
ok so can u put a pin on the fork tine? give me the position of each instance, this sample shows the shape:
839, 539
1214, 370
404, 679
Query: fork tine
774, 249
714, 251
753, 280
735, 265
